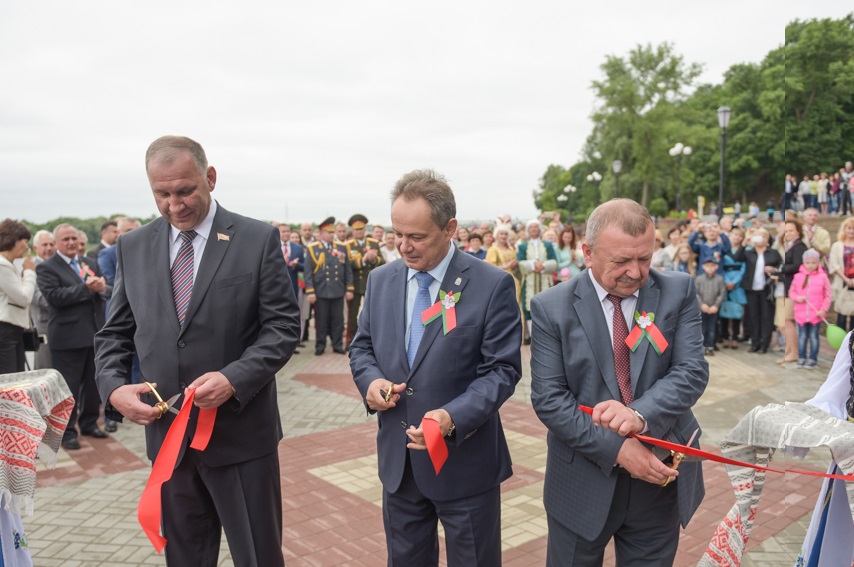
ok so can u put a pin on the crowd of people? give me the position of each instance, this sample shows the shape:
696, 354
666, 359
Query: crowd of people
123, 309
829, 193
753, 280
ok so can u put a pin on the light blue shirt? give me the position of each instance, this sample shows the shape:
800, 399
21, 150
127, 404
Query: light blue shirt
438, 274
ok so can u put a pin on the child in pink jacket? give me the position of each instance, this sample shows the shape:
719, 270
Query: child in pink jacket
810, 290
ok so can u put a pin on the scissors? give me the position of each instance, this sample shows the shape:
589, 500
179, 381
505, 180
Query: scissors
679, 457
164, 406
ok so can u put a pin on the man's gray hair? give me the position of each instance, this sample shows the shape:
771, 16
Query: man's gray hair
59, 227
124, 221
41, 234
166, 148
428, 185
630, 216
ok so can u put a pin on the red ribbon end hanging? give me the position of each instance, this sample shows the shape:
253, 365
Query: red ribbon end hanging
435, 442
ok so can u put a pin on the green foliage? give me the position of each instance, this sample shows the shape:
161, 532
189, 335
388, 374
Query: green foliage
658, 207
793, 112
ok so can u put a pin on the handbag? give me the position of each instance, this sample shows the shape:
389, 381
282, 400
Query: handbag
731, 310
32, 338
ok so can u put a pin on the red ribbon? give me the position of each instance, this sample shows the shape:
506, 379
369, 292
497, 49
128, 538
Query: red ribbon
149, 511
717, 458
435, 442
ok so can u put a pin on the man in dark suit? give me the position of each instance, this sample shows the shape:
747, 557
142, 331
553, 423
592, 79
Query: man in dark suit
364, 254
599, 483
294, 256
109, 235
203, 296
75, 292
328, 282
456, 374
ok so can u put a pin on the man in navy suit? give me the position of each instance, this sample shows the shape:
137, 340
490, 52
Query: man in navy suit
458, 375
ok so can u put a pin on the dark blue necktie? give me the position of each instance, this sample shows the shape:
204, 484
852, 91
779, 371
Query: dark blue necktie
422, 303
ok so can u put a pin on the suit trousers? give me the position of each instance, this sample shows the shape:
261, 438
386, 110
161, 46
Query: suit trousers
353, 307
244, 499
329, 322
77, 366
472, 527
643, 520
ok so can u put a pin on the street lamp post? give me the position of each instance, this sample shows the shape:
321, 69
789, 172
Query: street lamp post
617, 166
724, 114
678, 151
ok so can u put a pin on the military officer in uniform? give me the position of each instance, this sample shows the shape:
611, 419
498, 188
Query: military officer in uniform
328, 280
364, 254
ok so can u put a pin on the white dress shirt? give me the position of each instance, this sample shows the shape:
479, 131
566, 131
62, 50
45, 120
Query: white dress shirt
203, 232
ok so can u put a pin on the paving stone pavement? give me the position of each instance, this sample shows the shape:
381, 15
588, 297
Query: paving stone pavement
85, 509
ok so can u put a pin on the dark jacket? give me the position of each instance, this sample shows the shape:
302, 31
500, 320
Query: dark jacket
792, 263
749, 257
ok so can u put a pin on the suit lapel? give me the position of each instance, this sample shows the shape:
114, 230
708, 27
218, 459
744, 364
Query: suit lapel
397, 296
647, 302
215, 250
454, 274
162, 271
589, 308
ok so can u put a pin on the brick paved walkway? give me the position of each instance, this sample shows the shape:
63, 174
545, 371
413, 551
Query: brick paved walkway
85, 510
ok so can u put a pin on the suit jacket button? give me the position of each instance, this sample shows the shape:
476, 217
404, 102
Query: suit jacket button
181, 344
409, 391
403, 424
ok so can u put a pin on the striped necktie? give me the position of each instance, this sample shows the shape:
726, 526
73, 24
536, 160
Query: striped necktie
182, 274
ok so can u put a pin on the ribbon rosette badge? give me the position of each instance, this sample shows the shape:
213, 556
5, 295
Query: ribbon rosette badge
646, 328
446, 307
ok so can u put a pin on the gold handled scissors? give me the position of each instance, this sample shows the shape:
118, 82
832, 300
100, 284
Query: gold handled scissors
162, 406
679, 457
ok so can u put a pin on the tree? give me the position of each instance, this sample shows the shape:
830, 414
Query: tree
636, 111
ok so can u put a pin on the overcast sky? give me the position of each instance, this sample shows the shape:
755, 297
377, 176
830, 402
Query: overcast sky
311, 109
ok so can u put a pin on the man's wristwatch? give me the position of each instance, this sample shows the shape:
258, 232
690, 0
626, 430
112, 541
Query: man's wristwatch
642, 418
450, 432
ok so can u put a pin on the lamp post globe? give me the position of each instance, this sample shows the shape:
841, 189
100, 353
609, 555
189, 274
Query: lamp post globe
724, 115
678, 151
617, 166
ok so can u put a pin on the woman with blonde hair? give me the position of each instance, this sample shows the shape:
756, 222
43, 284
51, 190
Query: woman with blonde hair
683, 260
841, 267
503, 254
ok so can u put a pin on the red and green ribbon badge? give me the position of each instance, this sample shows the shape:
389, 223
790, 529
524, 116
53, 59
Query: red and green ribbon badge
645, 327
446, 308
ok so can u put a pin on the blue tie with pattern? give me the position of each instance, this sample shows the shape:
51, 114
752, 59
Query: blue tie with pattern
422, 303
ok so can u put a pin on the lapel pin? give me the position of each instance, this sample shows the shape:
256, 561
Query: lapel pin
221, 236
458, 281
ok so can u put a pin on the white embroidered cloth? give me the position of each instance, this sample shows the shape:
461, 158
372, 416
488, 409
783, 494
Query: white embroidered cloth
794, 427
34, 410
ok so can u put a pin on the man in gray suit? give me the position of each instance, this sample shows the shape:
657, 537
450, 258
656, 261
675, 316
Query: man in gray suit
599, 482
45, 246
203, 296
